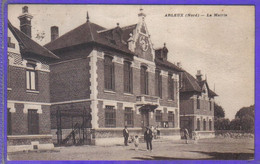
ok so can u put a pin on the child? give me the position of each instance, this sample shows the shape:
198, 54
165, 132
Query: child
136, 142
195, 136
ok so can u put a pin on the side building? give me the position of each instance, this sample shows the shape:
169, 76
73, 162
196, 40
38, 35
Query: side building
28, 97
197, 105
106, 79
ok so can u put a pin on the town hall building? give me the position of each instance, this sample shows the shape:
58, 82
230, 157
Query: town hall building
85, 86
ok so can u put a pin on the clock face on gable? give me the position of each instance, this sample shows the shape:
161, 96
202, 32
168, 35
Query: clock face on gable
143, 41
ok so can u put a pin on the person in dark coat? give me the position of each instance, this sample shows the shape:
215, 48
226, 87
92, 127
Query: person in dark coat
148, 136
126, 135
186, 135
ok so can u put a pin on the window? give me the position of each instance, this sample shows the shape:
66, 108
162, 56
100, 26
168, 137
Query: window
198, 124
9, 43
109, 73
144, 80
110, 116
158, 116
9, 122
171, 117
170, 87
33, 121
204, 125
129, 119
127, 77
198, 102
158, 83
210, 125
31, 79
210, 105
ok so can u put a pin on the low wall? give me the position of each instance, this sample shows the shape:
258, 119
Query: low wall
29, 142
206, 134
233, 134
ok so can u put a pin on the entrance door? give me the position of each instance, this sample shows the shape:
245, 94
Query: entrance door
9, 122
145, 119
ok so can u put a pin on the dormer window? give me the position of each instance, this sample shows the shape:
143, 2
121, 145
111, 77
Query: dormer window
31, 76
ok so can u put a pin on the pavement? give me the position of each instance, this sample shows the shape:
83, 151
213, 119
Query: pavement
205, 149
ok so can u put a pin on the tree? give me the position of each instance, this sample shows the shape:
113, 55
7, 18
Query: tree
244, 119
221, 124
218, 111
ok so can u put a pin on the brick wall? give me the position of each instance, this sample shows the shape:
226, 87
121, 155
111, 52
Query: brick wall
70, 80
17, 83
20, 120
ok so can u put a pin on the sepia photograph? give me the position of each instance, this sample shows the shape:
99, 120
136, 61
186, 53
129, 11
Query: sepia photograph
130, 82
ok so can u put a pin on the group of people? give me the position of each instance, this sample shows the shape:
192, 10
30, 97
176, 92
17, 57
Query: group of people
148, 137
187, 135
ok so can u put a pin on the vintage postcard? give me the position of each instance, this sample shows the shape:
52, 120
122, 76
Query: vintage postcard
130, 82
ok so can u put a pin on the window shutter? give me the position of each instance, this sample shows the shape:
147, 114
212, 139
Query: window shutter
146, 83
131, 79
113, 76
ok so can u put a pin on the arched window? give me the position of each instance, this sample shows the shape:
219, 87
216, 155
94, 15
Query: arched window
144, 80
109, 73
198, 124
127, 77
204, 125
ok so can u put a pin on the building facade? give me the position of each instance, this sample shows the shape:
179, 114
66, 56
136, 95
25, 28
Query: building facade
197, 105
85, 86
28, 97
116, 78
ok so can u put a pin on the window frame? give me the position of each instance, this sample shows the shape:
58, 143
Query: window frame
144, 80
129, 112
31, 127
170, 87
109, 73
31, 70
198, 102
158, 83
204, 125
158, 116
128, 77
171, 115
110, 110
198, 124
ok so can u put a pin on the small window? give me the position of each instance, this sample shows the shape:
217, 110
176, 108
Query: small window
110, 116
33, 121
9, 43
109, 73
129, 117
158, 116
31, 77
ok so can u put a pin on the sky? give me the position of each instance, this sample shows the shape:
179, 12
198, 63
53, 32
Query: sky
221, 47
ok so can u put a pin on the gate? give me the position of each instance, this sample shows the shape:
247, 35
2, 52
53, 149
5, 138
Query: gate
79, 132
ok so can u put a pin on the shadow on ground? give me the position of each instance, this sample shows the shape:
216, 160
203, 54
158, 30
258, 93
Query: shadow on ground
212, 156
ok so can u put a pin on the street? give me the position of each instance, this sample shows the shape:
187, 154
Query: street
205, 149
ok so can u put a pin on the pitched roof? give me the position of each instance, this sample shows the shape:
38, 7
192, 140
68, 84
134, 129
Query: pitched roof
167, 64
86, 33
189, 84
29, 45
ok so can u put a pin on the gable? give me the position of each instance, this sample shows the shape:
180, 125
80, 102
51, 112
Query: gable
13, 45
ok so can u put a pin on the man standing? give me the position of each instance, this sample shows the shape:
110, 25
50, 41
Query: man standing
186, 135
126, 135
148, 136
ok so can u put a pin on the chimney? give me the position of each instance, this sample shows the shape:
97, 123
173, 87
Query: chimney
54, 33
199, 75
179, 64
25, 21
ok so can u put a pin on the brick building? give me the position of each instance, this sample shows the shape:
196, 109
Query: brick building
115, 78
28, 98
87, 84
197, 105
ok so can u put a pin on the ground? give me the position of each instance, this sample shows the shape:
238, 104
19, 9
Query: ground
205, 149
